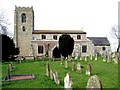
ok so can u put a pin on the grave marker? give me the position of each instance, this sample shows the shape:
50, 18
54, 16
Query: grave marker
94, 83
51, 74
68, 82
56, 80
88, 69
79, 67
73, 66
47, 69
66, 64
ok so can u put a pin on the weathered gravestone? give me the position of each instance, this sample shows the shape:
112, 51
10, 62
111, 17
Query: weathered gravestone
91, 57
94, 83
79, 67
51, 75
68, 82
55, 76
80, 57
85, 58
109, 58
116, 57
66, 64
73, 66
47, 69
96, 57
62, 60
104, 56
88, 69
8, 73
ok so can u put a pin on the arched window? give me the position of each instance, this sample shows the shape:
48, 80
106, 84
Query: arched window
43, 37
23, 17
40, 49
23, 28
78, 36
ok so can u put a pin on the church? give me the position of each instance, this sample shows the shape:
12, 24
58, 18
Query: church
39, 42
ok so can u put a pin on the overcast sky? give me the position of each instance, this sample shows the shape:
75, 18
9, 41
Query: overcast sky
96, 17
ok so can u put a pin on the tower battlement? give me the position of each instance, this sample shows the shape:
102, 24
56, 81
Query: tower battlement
19, 8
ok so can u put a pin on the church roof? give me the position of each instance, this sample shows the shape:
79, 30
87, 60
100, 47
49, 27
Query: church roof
99, 41
58, 32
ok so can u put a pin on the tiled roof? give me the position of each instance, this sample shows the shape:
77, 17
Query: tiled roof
99, 41
58, 32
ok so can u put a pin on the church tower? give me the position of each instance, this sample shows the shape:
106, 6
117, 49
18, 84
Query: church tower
23, 28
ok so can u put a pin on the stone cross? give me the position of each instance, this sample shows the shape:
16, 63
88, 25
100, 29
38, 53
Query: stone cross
51, 74
88, 69
94, 83
73, 66
79, 67
56, 80
47, 69
68, 82
66, 64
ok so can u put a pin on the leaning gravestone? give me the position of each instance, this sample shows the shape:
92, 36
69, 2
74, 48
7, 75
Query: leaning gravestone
88, 69
68, 82
79, 67
47, 69
94, 83
51, 74
56, 80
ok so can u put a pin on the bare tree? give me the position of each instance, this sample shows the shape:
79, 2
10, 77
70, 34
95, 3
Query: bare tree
116, 33
3, 23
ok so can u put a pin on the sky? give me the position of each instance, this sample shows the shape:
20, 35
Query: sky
96, 17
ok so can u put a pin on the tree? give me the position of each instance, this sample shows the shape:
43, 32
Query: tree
116, 33
66, 45
56, 52
8, 48
3, 23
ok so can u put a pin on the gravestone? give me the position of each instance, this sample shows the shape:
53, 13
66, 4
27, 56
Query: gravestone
68, 82
55, 76
61, 60
94, 83
79, 67
47, 69
73, 66
88, 69
96, 58
8, 73
104, 56
80, 57
116, 57
51, 75
66, 64
85, 58
91, 57
10, 67
109, 58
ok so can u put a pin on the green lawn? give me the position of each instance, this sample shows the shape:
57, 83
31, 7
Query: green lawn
108, 74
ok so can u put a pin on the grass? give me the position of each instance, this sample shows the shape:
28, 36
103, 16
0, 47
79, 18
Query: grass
108, 74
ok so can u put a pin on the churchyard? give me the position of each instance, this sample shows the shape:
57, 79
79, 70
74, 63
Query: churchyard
51, 73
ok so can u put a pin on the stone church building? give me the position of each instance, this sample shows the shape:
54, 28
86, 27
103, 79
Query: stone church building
39, 42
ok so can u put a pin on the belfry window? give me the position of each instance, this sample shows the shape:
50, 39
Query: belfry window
55, 37
23, 28
43, 37
23, 18
40, 49
78, 36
